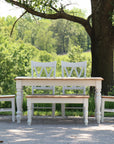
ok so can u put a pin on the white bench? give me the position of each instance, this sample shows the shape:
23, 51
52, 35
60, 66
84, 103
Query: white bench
31, 99
103, 109
10, 98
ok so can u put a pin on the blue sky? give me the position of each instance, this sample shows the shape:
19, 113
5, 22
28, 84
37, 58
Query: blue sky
6, 9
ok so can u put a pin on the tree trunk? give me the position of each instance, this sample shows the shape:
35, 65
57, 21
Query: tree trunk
102, 63
102, 44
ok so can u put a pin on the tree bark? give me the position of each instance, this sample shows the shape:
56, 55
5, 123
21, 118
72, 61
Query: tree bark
102, 43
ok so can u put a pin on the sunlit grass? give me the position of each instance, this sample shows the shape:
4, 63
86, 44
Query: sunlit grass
58, 113
67, 113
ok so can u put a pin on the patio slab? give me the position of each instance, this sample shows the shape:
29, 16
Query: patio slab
56, 131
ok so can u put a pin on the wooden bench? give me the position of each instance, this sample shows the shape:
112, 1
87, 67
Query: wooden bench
103, 109
31, 99
10, 98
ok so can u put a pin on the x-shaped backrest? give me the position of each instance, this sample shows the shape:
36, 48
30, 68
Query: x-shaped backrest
47, 68
79, 68
44, 68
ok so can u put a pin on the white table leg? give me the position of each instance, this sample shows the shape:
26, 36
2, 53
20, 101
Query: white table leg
98, 103
19, 104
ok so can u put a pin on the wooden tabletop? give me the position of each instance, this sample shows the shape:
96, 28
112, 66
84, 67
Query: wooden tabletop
58, 78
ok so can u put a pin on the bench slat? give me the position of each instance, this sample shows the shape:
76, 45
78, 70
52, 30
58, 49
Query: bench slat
111, 97
57, 96
7, 96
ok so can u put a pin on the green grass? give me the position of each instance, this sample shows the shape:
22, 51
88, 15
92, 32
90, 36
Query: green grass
67, 113
58, 113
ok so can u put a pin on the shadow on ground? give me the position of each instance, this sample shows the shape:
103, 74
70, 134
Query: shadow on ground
56, 131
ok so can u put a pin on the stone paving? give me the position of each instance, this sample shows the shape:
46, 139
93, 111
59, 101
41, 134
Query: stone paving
56, 131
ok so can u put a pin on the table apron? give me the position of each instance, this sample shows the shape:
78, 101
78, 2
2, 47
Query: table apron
20, 83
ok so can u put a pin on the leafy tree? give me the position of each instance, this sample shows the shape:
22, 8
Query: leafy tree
14, 61
98, 26
66, 34
52, 36
6, 25
46, 57
36, 33
75, 54
44, 37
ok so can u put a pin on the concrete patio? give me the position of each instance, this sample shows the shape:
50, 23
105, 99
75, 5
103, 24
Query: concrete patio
56, 131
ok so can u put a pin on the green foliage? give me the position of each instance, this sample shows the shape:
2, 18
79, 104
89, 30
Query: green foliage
111, 92
56, 36
46, 57
40, 5
14, 61
53, 36
17, 52
68, 34
75, 54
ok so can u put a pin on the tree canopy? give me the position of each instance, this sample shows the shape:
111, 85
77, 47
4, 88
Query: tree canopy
99, 26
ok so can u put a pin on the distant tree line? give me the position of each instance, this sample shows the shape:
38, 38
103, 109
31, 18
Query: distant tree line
53, 36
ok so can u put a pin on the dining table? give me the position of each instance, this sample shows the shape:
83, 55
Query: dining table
58, 81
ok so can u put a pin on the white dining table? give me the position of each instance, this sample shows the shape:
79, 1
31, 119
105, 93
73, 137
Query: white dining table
58, 81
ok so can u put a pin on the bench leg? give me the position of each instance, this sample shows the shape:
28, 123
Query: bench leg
53, 110
86, 111
63, 110
29, 108
32, 109
13, 110
102, 110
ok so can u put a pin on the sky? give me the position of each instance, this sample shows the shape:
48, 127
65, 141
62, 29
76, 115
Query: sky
7, 9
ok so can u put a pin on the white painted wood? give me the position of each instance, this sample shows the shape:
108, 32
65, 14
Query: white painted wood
10, 98
58, 81
79, 68
57, 99
103, 109
40, 69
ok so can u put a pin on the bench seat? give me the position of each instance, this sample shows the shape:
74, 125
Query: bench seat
83, 99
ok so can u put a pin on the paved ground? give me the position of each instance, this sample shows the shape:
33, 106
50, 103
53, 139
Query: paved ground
56, 131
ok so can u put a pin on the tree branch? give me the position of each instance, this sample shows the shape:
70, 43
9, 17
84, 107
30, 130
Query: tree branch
16, 22
54, 9
58, 15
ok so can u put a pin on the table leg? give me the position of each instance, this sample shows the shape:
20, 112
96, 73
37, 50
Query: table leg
98, 104
19, 104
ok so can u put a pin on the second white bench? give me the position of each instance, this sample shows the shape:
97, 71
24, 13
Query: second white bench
82, 99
